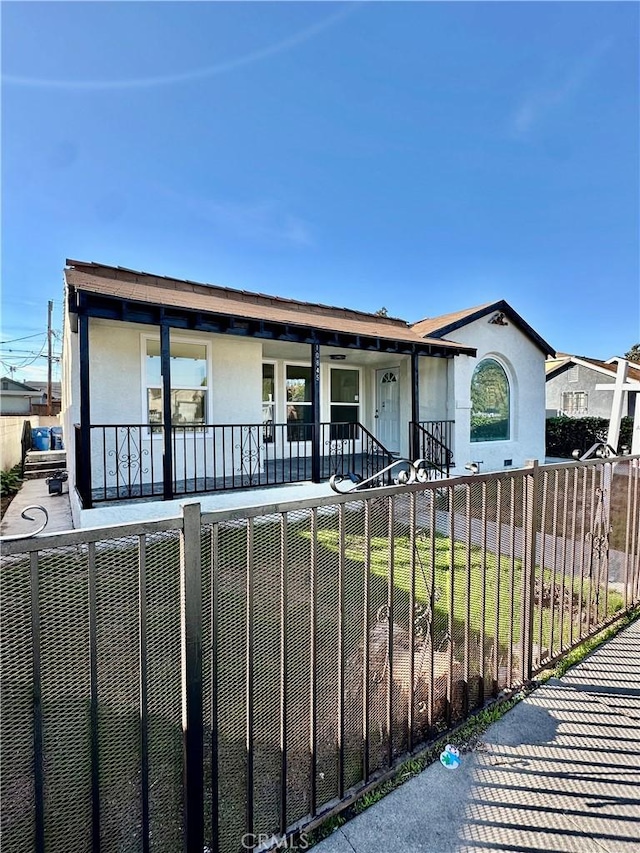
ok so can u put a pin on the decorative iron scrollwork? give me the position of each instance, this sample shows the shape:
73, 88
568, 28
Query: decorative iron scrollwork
403, 472
128, 457
337, 454
29, 518
250, 455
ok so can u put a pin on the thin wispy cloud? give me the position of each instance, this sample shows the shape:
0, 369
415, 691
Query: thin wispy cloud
263, 221
286, 44
538, 105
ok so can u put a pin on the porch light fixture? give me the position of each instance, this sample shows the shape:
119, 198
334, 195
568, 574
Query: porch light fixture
337, 357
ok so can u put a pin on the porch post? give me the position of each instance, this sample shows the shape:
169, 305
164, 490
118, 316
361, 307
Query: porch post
165, 367
315, 412
83, 477
414, 450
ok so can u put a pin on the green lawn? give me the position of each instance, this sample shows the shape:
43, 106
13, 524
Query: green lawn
468, 592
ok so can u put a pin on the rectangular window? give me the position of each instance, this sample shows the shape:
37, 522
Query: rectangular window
575, 403
345, 401
298, 391
268, 401
189, 382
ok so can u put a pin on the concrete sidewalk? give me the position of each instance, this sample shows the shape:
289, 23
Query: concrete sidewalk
37, 492
559, 772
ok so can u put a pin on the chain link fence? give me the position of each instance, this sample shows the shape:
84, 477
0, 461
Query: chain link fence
208, 682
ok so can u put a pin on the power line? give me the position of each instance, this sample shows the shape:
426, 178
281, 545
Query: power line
25, 338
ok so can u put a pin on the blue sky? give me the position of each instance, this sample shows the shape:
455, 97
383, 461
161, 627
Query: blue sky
424, 157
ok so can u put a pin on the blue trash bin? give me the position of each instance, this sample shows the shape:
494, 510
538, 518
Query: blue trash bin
56, 438
41, 438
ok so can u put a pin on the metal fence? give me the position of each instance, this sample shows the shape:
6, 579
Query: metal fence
201, 682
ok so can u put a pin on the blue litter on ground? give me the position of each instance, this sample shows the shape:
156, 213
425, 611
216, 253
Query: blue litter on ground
450, 758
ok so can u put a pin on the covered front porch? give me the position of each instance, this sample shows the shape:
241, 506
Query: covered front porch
178, 400
221, 457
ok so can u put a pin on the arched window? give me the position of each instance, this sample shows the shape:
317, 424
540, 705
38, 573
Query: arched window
490, 404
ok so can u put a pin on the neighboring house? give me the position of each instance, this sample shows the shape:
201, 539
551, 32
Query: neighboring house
571, 382
173, 388
16, 397
39, 404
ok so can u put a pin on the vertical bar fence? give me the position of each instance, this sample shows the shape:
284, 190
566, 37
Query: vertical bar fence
220, 680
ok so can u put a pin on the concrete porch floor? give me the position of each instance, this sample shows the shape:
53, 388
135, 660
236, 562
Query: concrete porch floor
141, 510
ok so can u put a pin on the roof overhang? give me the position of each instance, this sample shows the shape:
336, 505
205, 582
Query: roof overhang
500, 306
96, 301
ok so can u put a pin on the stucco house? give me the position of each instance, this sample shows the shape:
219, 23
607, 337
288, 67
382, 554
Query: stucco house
174, 388
572, 382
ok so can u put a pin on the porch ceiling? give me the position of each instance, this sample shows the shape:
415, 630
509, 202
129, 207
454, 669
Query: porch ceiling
300, 352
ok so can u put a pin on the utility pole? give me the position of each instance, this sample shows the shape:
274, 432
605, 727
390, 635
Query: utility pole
50, 358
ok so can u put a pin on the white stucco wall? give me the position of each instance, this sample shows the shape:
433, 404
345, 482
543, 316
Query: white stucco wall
524, 365
434, 389
118, 392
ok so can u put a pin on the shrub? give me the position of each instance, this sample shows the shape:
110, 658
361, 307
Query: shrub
564, 434
10, 482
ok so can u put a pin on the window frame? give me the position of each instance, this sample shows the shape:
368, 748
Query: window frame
358, 405
275, 403
187, 339
510, 407
287, 364
574, 410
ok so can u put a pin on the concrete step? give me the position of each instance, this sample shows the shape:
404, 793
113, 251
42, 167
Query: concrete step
46, 455
40, 464
43, 473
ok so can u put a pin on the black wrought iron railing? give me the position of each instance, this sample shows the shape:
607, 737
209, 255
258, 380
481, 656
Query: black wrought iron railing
25, 444
218, 457
349, 449
432, 441
127, 460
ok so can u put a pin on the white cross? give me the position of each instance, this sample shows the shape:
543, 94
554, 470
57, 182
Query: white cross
619, 388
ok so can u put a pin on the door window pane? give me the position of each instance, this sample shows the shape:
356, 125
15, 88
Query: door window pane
268, 383
299, 425
187, 407
188, 364
188, 382
299, 409
345, 386
298, 384
154, 396
344, 414
268, 401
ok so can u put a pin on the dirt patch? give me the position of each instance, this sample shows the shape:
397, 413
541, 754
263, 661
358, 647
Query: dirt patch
4, 503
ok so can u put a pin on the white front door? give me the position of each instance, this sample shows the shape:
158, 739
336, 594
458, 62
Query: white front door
388, 408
